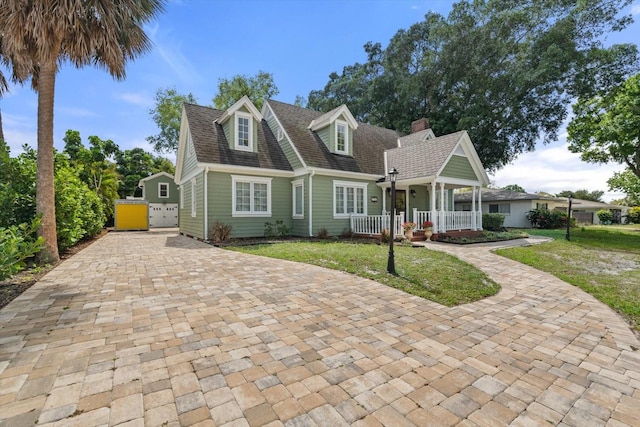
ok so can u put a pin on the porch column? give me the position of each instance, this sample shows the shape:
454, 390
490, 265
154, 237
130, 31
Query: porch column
479, 214
473, 209
434, 219
384, 201
443, 227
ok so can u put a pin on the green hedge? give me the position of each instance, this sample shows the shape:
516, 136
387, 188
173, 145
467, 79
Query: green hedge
492, 221
17, 244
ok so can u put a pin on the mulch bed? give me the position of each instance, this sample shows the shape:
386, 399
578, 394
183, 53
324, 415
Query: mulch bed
14, 286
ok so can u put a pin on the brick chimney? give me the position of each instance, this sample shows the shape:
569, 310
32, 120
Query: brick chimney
420, 124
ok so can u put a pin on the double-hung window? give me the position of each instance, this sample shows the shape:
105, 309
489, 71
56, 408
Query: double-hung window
251, 196
349, 199
342, 137
298, 199
163, 190
244, 132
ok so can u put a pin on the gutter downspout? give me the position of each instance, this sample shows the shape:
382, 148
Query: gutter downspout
311, 203
206, 204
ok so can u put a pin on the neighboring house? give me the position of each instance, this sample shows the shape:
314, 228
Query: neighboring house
584, 211
514, 206
315, 171
161, 191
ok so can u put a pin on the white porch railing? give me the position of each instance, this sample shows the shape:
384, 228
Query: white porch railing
374, 224
459, 220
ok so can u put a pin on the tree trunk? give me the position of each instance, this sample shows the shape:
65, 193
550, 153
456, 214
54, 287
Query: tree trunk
45, 194
1, 131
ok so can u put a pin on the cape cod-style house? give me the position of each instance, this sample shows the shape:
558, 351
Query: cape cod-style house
313, 171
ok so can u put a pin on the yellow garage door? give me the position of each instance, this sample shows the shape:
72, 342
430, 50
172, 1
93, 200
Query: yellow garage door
131, 215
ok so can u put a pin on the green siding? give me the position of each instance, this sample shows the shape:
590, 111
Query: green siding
285, 144
151, 190
220, 195
192, 226
459, 167
323, 204
189, 162
229, 131
325, 136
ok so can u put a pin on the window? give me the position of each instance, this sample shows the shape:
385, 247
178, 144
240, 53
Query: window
251, 196
298, 199
181, 189
193, 197
544, 206
502, 209
349, 198
163, 190
342, 138
244, 132
279, 134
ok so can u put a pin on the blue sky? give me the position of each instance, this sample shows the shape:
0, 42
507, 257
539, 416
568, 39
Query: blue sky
197, 42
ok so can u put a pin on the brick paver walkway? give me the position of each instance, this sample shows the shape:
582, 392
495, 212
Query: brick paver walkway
161, 330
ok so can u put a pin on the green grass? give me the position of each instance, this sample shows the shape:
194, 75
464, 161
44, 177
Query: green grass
603, 261
429, 274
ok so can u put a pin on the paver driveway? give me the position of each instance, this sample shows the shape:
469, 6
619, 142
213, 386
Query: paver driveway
160, 330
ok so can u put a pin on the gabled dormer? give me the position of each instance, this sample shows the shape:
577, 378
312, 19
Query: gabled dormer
335, 129
240, 125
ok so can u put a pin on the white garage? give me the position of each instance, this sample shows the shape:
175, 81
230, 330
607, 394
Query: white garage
163, 215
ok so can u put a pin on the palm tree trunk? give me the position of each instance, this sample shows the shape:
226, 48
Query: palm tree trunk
45, 194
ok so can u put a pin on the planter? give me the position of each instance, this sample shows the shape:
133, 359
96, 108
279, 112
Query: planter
408, 234
428, 232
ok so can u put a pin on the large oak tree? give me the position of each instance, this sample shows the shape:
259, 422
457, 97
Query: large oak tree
505, 71
39, 36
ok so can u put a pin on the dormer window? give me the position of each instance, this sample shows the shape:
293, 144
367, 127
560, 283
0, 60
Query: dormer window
342, 137
244, 132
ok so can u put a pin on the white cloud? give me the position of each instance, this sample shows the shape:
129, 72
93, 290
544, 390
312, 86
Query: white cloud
635, 9
554, 169
171, 52
135, 98
19, 130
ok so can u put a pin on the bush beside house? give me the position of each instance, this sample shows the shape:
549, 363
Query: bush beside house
492, 221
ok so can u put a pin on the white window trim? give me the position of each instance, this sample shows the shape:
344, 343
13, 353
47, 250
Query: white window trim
279, 134
339, 123
252, 180
193, 198
160, 184
181, 190
295, 184
355, 185
249, 117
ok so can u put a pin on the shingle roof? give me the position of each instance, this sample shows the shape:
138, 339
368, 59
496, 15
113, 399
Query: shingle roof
369, 142
499, 195
414, 138
423, 159
211, 145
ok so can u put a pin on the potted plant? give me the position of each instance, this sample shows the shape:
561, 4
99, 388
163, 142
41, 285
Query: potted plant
427, 226
408, 228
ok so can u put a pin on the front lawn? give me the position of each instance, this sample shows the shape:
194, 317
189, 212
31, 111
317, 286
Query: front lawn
603, 261
429, 274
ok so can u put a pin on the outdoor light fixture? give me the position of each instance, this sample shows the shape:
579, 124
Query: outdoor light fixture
413, 193
391, 266
567, 236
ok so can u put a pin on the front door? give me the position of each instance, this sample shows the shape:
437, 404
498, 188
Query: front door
401, 202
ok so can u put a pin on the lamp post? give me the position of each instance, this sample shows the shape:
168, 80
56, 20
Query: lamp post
391, 266
567, 236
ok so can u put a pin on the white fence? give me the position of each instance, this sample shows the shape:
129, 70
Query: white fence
374, 224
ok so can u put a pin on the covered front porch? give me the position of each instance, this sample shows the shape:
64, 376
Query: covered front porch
419, 203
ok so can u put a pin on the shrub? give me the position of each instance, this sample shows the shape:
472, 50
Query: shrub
634, 215
323, 233
79, 210
279, 229
492, 221
220, 232
384, 235
18, 243
605, 216
543, 218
